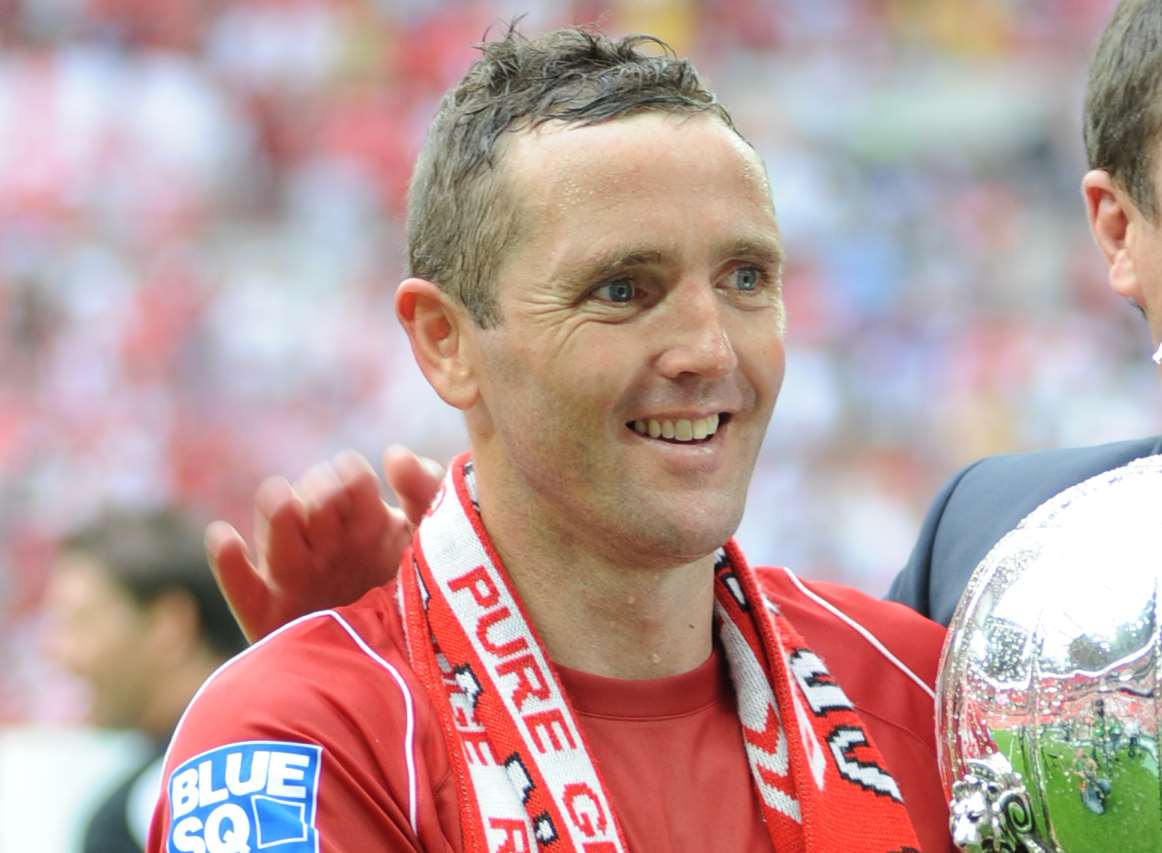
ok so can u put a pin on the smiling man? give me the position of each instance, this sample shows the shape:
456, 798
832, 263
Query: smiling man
644, 288
575, 655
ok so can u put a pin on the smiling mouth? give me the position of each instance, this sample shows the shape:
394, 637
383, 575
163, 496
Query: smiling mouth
680, 430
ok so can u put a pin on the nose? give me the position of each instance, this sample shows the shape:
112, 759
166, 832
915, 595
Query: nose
697, 342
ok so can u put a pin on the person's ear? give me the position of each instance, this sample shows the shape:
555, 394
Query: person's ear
440, 332
1113, 216
173, 627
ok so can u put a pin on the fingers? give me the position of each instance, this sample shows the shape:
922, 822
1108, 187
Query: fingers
415, 480
366, 516
359, 481
321, 542
325, 505
280, 534
397, 535
238, 579
318, 543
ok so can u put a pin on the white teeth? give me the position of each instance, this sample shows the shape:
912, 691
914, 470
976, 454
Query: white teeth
680, 429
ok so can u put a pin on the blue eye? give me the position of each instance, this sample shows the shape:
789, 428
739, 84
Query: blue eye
748, 278
620, 291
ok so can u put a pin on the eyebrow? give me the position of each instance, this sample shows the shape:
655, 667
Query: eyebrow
768, 252
763, 251
608, 265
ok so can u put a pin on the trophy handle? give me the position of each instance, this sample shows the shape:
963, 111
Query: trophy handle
991, 811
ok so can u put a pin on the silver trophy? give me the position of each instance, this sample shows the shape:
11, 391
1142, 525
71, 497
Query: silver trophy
1048, 690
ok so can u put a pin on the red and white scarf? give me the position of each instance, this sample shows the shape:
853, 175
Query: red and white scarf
520, 758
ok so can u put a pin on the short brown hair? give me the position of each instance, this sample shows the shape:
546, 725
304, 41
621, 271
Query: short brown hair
460, 215
153, 552
1122, 102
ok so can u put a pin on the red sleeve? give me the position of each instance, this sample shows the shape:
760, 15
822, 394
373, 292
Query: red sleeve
311, 740
885, 656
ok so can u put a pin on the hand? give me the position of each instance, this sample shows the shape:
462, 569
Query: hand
322, 542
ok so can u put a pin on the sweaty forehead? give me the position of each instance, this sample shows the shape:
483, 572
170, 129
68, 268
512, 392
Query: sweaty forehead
556, 169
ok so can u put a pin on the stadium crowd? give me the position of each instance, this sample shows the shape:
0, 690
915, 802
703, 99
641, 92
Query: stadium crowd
201, 214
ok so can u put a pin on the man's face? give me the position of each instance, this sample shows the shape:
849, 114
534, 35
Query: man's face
1144, 248
642, 295
96, 631
1130, 240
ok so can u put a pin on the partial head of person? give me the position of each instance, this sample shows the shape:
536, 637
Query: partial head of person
595, 274
135, 614
1122, 124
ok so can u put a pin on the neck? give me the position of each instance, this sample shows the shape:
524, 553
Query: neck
604, 616
168, 701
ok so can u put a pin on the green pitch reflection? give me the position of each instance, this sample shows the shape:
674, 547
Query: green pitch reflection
1102, 786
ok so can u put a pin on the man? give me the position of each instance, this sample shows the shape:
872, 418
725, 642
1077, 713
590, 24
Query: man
130, 612
571, 657
986, 500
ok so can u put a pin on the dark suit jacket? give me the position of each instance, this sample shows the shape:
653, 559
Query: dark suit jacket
982, 503
111, 828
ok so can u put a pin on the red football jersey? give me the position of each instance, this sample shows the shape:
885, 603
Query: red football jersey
320, 737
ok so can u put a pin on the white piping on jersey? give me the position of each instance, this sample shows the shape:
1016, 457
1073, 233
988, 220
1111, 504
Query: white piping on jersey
409, 727
861, 630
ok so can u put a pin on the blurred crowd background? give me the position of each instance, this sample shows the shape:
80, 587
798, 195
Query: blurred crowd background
201, 220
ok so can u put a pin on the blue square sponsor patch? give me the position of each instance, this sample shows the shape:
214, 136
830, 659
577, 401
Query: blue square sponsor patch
244, 797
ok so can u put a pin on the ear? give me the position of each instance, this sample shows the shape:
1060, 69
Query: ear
1112, 220
440, 332
173, 625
